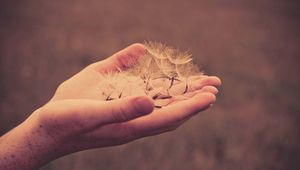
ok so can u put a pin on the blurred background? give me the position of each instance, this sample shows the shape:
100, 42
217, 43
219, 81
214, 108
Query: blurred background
253, 45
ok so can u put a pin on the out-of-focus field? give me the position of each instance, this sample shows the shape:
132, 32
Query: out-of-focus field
252, 45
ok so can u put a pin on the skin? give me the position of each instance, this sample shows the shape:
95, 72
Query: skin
75, 119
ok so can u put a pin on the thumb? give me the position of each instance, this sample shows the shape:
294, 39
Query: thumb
121, 60
90, 113
125, 109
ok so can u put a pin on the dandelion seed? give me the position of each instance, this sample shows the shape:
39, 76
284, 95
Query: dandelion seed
157, 72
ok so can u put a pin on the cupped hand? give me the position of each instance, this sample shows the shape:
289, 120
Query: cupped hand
78, 119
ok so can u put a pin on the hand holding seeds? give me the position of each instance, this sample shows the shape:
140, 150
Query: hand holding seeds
140, 91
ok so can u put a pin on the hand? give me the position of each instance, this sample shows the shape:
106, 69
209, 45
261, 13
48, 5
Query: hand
75, 119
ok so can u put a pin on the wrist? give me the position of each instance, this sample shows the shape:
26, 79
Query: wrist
28, 146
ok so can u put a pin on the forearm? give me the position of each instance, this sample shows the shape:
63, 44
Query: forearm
26, 147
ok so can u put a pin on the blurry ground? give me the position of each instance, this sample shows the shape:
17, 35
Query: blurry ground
252, 45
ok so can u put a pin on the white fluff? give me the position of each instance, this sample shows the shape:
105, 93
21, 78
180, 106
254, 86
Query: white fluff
154, 75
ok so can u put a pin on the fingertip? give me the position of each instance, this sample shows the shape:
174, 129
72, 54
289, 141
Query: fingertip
121, 60
210, 89
143, 104
129, 56
217, 80
206, 97
138, 47
135, 51
208, 81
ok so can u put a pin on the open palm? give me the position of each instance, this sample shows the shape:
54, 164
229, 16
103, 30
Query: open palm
78, 115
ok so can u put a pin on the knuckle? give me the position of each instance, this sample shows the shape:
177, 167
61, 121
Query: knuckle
125, 111
120, 114
205, 81
133, 107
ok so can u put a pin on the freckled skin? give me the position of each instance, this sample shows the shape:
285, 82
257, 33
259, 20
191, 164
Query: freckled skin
75, 119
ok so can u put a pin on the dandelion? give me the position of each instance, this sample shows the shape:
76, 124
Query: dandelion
163, 73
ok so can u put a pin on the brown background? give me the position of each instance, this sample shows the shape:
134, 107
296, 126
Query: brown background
252, 45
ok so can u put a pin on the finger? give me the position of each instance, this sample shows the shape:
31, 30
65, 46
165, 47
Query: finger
175, 99
193, 85
197, 77
158, 121
125, 109
210, 89
88, 114
207, 81
169, 116
121, 60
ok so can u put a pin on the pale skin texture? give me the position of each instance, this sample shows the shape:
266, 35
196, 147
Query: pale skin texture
75, 119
